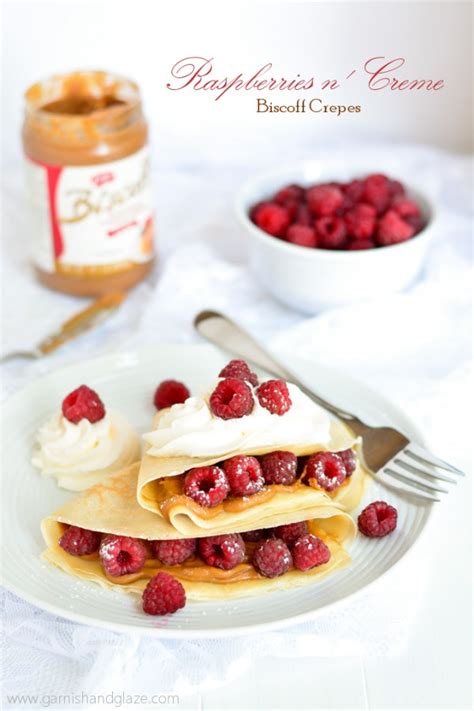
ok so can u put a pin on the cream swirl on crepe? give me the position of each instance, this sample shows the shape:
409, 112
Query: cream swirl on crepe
78, 455
190, 428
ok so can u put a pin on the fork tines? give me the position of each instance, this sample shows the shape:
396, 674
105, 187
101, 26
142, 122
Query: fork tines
418, 468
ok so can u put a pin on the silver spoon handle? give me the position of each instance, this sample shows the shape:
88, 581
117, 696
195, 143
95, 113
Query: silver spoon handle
226, 334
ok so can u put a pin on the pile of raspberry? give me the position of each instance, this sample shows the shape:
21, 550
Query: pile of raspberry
270, 551
362, 214
244, 475
238, 390
234, 396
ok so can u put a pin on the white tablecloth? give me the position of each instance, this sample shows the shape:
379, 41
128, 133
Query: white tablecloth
414, 347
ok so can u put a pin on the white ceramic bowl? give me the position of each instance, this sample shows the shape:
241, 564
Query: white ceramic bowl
313, 279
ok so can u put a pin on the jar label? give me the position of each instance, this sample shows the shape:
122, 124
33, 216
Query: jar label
94, 219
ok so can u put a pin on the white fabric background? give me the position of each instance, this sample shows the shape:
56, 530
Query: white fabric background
415, 347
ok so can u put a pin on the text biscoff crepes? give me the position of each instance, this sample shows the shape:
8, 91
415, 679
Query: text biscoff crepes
111, 507
188, 435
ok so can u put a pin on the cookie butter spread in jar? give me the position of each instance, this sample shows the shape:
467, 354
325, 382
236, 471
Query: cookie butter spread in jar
85, 140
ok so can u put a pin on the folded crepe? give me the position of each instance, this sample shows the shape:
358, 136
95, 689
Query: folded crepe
187, 435
111, 507
274, 505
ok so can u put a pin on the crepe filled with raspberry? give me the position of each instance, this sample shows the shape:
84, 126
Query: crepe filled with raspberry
103, 536
212, 462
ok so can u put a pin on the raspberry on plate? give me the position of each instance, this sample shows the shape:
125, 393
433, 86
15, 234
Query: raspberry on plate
377, 520
272, 218
324, 200
279, 467
310, 551
208, 486
331, 232
174, 551
224, 552
83, 403
79, 541
272, 558
349, 460
393, 229
327, 469
170, 392
239, 369
302, 235
274, 396
121, 555
231, 398
164, 594
244, 475
290, 532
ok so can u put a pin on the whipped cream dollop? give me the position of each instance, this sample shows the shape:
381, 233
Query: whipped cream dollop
190, 428
76, 454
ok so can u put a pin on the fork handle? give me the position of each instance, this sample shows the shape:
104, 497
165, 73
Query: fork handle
223, 332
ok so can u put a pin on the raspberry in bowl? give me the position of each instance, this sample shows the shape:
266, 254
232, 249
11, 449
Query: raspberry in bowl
323, 235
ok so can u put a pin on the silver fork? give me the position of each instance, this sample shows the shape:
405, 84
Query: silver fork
389, 455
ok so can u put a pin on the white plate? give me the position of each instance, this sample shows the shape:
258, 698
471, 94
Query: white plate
127, 382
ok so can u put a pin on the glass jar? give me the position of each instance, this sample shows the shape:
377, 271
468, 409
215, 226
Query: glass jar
88, 171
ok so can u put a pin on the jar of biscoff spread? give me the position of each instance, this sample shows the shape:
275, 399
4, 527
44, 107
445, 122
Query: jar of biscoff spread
85, 140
